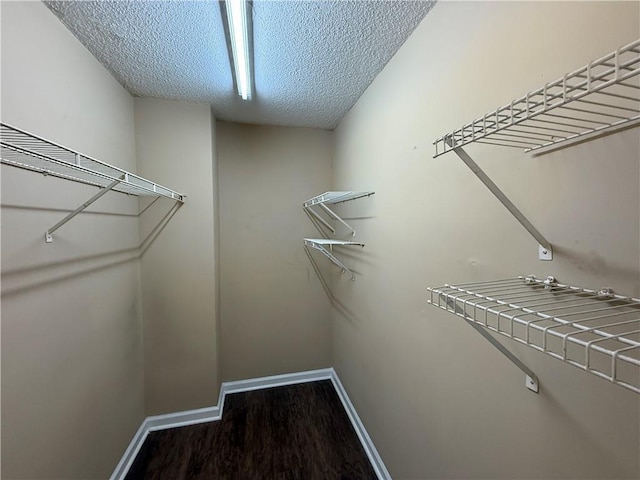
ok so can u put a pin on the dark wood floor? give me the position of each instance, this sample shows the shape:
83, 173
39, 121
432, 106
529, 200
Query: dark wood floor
284, 433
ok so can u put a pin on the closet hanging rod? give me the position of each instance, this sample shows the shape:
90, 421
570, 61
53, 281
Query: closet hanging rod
596, 331
605, 78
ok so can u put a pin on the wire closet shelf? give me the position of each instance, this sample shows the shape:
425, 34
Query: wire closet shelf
330, 198
596, 331
25, 150
325, 246
599, 98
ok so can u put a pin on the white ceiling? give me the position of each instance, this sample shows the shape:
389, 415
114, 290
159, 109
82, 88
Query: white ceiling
313, 59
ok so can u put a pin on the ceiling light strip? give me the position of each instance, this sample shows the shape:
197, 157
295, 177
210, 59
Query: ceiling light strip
238, 20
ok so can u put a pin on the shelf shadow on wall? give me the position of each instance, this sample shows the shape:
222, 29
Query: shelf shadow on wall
561, 411
335, 302
593, 263
77, 267
358, 254
159, 227
67, 211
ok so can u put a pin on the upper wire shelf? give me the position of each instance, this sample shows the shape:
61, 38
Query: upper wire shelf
596, 331
599, 98
331, 242
329, 198
27, 151
335, 197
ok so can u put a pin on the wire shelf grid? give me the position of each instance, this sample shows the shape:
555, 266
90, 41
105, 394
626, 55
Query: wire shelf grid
329, 198
24, 150
599, 98
331, 242
596, 331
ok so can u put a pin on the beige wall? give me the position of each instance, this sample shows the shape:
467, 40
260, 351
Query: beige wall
274, 311
174, 146
437, 399
72, 382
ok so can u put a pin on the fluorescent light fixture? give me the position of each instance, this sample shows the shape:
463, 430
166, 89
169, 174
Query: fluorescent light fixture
239, 35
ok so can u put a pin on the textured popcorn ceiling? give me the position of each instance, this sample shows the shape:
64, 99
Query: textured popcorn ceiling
313, 59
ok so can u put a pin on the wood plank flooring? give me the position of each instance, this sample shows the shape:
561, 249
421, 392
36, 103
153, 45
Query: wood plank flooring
282, 433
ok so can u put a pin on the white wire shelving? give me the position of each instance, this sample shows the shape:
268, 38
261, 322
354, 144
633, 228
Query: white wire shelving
30, 152
596, 331
325, 246
332, 198
335, 197
601, 97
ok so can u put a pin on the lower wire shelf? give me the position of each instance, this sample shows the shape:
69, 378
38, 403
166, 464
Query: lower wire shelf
596, 331
325, 246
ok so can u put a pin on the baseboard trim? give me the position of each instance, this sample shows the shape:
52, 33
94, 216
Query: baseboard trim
130, 453
365, 439
202, 415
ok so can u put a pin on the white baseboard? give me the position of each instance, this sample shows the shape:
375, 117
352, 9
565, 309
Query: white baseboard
202, 415
130, 453
365, 439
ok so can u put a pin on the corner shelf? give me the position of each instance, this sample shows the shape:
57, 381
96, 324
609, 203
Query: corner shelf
30, 152
600, 98
596, 331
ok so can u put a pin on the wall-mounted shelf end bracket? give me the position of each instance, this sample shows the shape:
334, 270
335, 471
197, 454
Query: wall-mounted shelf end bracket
325, 246
531, 380
332, 198
48, 234
545, 251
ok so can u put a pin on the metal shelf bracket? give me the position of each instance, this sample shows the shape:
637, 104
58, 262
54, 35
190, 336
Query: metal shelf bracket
325, 246
545, 251
531, 380
47, 236
331, 198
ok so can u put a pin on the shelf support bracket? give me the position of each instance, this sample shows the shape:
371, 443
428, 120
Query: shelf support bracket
336, 217
47, 236
531, 380
320, 219
332, 215
545, 251
331, 257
